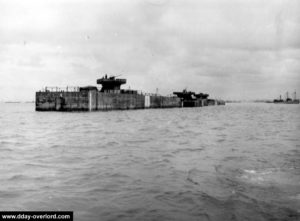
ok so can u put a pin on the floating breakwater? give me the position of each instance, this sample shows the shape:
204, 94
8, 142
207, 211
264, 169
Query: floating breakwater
112, 97
95, 100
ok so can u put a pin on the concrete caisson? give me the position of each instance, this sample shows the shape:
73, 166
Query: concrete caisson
112, 97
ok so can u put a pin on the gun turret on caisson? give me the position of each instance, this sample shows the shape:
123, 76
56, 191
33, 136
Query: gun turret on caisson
110, 83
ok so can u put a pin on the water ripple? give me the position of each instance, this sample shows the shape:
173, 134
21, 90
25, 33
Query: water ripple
235, 162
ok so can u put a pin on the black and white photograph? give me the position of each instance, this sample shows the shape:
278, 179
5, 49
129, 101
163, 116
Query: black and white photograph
150, 110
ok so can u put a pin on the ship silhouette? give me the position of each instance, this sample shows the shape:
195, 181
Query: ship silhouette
288, 100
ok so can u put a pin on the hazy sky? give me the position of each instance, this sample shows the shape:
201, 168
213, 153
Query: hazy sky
231, 49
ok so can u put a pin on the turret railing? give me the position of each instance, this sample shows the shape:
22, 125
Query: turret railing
61, 89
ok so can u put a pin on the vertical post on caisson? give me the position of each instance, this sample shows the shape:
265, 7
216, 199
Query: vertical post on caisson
90, 100
147, 101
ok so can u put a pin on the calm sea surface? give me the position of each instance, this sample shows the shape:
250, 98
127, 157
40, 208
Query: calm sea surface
233, 162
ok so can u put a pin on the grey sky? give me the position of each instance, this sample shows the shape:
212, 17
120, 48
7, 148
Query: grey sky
231, 49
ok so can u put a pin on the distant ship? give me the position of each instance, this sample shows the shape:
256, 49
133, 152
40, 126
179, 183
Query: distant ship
287, 100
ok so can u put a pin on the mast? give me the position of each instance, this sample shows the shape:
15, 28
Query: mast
295, 95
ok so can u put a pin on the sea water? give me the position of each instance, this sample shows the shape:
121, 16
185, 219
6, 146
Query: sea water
233, 162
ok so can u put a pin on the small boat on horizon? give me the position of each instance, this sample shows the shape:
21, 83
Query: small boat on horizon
288, 100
